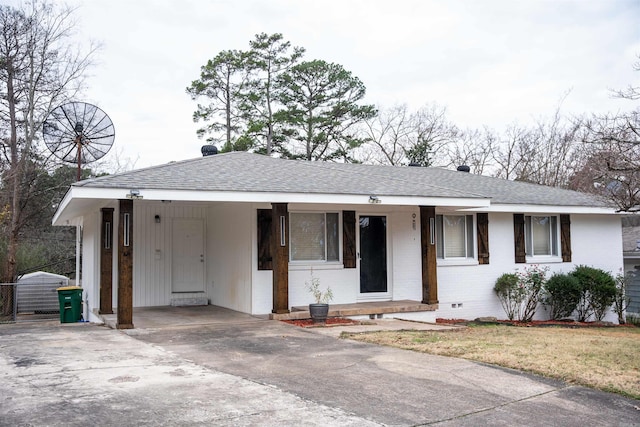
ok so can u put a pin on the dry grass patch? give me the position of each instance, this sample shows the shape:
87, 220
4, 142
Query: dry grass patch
603, 358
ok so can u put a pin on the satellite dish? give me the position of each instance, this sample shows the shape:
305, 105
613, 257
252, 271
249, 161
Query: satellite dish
78, 132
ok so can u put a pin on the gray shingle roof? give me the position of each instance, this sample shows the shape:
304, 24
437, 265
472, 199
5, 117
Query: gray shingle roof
247, 172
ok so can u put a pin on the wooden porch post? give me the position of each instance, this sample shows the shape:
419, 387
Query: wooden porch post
106, 262
280, 255
125, 265
429, 265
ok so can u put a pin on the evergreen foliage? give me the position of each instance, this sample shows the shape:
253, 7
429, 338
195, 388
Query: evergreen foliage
562, 294
597, 292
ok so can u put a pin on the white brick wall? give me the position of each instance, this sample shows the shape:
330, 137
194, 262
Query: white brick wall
596, 240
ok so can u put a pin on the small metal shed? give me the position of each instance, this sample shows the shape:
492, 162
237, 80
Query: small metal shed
36, 292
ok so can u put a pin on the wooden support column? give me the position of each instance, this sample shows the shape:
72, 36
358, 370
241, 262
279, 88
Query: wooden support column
125, 265
280, 256
429, 265
106, 262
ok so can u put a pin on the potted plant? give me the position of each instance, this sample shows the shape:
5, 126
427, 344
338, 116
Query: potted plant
320, 308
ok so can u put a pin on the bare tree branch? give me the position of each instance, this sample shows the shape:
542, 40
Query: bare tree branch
40, 68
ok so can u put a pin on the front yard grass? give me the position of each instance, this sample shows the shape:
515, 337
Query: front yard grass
603, 358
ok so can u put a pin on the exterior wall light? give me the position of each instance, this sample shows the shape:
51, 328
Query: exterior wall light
134, 194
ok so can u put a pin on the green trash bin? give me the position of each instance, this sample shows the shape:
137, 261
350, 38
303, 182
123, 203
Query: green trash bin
70, 299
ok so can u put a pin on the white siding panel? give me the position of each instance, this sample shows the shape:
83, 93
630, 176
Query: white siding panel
91, 260
153, 251
229, 255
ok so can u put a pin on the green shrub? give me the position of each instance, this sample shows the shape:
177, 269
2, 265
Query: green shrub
597, 292
562, 293
509, 293
519, 293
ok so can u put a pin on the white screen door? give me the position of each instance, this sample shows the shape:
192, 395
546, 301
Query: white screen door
187, 267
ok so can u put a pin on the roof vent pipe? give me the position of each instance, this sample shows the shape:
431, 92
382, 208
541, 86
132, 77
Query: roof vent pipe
464, 168
209, 150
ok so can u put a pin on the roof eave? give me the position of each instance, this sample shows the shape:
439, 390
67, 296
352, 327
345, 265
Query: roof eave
548, 209
79, 199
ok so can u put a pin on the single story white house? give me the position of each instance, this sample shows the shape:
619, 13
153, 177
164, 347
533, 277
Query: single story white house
244, 231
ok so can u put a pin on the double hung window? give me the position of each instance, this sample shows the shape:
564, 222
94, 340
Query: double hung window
454, 236
541, 235
314, 236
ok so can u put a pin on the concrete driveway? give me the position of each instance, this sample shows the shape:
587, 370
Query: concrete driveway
268, 373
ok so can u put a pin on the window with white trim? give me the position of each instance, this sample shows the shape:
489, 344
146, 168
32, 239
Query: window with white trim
314, 236
454, 237
541, 235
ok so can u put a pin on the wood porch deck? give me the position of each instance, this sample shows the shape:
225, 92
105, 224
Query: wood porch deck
359, 309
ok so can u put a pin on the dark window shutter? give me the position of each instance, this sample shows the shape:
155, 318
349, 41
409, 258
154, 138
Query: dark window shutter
565, 237
264, 239
349, 239
518, 238
482, 220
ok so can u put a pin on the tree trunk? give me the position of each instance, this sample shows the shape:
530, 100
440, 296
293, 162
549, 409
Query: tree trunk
270, 118
228, 112
10, 268
310, 135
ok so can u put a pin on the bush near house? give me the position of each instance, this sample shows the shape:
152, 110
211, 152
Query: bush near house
561, 294
586, 291
597, 292
509, 294
519, 293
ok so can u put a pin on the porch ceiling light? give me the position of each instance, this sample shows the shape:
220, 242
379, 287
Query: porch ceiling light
374, 199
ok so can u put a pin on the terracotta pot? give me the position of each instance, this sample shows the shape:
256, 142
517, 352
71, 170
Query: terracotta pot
319, 312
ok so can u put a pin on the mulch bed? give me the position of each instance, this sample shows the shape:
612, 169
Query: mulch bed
331, 321
534, 323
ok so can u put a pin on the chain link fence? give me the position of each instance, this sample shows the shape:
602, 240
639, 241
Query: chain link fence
8, 302
21, 302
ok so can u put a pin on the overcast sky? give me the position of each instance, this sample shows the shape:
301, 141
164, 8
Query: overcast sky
489, 62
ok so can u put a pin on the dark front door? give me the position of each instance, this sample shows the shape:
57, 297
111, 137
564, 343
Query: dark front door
373, 255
